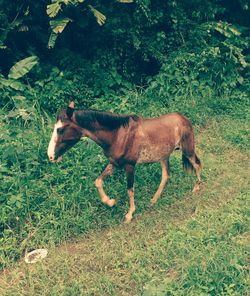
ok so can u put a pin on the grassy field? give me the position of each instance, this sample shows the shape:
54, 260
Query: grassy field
188, 244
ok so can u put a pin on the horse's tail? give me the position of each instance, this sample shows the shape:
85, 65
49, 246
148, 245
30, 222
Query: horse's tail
187, 165
189, 157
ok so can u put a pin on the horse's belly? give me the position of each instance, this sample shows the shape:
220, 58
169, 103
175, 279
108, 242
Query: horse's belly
153, 153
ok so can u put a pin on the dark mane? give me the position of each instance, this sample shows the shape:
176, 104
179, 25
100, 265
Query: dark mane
107, 119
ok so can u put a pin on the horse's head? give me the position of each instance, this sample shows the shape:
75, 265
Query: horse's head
65, 135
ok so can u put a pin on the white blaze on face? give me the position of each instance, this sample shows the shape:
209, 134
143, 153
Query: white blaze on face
52, 143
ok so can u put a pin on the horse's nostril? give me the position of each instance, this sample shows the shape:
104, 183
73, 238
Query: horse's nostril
50, 158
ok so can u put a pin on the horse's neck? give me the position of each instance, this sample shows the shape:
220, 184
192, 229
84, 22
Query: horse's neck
99, 134
103, 138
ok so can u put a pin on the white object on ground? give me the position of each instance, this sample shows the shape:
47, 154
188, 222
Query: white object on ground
35, 256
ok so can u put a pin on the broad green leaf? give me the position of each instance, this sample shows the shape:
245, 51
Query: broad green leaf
23, 28
125, 1
52, 39
53, 9
98, 15
59, 25
225, 29
16, 85
22, 67
238, 53
66, 1
234, 31
73, 2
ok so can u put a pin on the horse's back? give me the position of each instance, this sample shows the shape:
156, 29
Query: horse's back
170, 125
156, 138
170, 119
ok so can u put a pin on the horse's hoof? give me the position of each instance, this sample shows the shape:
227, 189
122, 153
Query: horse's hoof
127, 219
196, 188
111, 202
152, 202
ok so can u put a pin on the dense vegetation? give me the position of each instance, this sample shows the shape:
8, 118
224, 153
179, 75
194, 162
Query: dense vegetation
171, 47
145, 57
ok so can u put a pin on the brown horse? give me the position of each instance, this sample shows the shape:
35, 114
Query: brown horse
127, 140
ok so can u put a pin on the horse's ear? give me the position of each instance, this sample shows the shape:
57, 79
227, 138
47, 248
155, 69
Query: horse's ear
70, 109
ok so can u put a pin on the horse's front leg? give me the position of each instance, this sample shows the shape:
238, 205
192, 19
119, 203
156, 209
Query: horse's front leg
99, 185
130, 172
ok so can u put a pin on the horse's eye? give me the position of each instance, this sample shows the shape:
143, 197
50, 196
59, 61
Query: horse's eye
60, 130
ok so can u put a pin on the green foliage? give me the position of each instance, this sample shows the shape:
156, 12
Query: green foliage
138, 38
13, 90
11, 84
53, 9
100, 18
213, 68
57, 27
22, 67
60, 23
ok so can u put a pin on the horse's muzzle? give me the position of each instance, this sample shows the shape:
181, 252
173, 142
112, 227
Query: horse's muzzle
52, 159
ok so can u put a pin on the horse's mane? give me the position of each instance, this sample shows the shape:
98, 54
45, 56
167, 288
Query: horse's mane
106, 119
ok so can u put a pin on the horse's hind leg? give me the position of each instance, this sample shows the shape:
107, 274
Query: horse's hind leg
99, 185
164, 178
196, 163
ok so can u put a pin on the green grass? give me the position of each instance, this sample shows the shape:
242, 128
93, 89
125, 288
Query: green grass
188, 244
